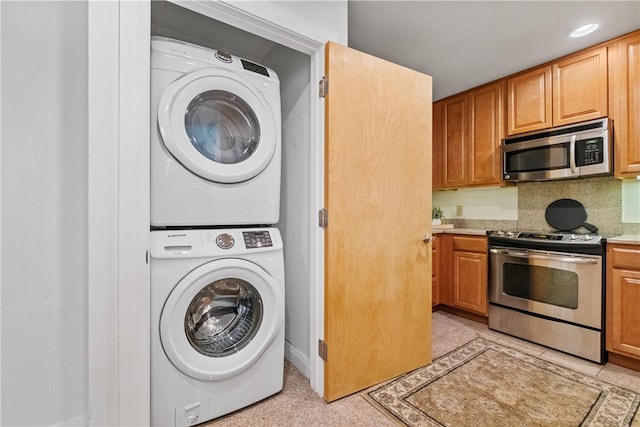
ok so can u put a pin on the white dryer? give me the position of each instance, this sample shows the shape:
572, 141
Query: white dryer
215, 138
217, 322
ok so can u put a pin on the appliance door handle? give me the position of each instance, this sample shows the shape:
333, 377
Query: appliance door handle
557, 258
427, 238
572, 154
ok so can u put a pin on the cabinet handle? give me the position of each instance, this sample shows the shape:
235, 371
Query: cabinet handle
427, 238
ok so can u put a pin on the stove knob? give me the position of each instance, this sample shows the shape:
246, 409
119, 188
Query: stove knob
573, 237
587, 238
500, 233
510, 234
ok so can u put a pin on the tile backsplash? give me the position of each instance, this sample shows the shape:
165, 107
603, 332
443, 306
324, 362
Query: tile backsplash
601, 197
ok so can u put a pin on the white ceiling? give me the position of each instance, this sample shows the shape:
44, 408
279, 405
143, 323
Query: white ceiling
463, 44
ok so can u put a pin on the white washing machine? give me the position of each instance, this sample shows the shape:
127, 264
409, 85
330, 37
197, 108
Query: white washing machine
217, 322
215, 138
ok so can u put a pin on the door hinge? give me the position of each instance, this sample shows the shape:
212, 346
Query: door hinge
323, 87
323, 218
322, 350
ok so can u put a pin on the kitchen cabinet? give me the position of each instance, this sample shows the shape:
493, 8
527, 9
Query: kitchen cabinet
623, 298
624, 71
467, 132
570, 90
470, 273
437, 141
435, 268
462, 275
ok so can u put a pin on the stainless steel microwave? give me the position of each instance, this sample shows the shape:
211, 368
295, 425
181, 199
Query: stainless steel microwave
572, 151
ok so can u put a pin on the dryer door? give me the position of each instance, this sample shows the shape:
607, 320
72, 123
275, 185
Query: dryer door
220, 318
218, 125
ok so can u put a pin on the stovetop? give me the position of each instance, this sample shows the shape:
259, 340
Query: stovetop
555, 242
557, 237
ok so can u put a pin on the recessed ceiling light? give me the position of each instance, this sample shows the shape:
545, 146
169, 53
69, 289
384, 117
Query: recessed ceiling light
583, 30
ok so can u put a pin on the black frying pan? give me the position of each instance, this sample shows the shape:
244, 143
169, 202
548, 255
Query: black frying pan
567, 215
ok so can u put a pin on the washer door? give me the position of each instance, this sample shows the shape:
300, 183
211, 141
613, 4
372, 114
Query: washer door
220, 318
217, 125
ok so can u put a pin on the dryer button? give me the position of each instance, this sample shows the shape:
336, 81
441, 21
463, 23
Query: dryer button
225, 241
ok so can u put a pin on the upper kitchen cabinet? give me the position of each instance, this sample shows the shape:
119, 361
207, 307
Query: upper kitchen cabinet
529, 101
624, 70
570, 90
467, 131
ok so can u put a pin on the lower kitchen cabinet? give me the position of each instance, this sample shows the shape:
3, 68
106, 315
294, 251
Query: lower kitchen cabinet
435, 268
623, 299
462, 277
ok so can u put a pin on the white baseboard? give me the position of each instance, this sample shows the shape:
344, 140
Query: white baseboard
297, 358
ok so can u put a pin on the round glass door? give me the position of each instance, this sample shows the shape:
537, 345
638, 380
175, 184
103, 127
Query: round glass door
220, 318
223, 317
218, 126
222, 127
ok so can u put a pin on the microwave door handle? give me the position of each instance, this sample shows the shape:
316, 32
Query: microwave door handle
572, 154
557, 258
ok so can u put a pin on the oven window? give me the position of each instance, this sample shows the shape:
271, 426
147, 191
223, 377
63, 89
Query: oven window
543, 284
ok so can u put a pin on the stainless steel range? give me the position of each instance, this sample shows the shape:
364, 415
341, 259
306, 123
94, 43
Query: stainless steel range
548, 288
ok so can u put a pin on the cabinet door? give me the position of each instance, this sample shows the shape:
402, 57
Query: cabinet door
529, 101
580, 87
625, 104
454, 136
435, 269
437, 144
623, 316
486, 130
470, 281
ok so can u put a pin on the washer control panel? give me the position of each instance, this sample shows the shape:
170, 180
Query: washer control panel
257, 239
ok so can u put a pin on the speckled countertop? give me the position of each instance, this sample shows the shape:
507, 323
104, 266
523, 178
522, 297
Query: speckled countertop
627, 239
470, 231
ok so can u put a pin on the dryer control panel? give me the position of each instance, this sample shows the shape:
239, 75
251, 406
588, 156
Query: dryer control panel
257, 239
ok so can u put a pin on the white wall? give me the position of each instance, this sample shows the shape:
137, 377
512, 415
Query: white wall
631, 201
44, 213
293, 69
480, 203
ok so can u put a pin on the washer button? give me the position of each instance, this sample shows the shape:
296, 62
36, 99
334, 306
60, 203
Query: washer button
225, 241
223, 56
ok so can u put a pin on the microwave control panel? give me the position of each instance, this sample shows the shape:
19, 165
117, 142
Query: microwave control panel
590, 151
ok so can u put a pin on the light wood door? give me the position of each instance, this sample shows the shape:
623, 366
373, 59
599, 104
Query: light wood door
580, 87
625, 105
486, 130
529, 101
378, 197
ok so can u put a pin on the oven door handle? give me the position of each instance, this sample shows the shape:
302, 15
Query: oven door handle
557, 258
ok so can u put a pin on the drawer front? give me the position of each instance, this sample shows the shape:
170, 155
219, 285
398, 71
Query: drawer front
470, 244
624, 257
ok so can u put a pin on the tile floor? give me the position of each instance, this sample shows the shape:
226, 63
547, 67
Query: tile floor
298, 405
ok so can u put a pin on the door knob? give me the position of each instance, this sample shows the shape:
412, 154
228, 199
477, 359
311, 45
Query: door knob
427, 238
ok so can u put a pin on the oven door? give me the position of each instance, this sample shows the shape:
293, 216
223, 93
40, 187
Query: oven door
552, 284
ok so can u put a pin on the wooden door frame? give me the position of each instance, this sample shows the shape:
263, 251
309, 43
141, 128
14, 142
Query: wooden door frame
118, 213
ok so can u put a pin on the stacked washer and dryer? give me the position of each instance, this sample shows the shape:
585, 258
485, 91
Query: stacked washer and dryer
217, 265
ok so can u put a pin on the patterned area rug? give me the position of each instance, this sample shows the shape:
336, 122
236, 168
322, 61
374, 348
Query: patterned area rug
483, 383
